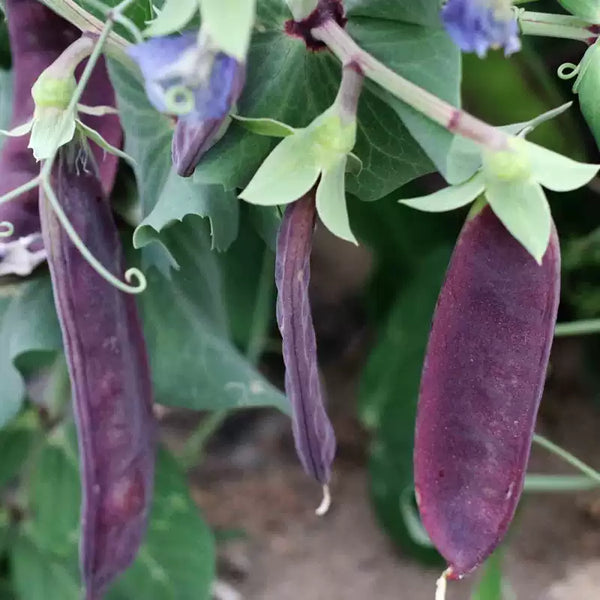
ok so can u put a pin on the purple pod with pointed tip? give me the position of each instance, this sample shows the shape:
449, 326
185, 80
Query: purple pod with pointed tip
37, 38
481, 386
109, 373
313, 433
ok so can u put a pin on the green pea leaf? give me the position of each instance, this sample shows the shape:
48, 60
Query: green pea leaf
229, 24
174, 16
523, 209
449, 198
588, 88
490, 585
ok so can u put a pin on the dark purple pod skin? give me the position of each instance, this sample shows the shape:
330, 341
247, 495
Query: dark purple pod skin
109, 374
37, 38
192, 139
313, 433
481, 387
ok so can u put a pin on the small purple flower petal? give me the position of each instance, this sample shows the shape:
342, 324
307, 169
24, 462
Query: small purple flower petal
313, 433
477, 25
174, 62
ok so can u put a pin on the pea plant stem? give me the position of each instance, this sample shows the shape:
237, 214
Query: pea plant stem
451, 118
584, 327
567, 457
556, 26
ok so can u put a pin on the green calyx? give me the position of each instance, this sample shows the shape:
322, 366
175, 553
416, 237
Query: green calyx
53, 92
331, 138
513, 164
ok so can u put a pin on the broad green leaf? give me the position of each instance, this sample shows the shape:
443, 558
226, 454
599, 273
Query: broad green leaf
388, 401
54, 496
174, 16
422, 12
265, 126
406, 49
148, 140
180, 199
229, 24
38, 576
449, 198
523, 209
194, 364
287, 173
16, 440
177, 559
331, 202
557, 172
490, 584
29, 333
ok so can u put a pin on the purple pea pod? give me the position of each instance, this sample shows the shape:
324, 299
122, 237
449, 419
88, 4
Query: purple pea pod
109, 374
37, 38
313, 433
481, 386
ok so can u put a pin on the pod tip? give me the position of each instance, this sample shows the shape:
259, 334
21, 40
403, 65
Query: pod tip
325, 503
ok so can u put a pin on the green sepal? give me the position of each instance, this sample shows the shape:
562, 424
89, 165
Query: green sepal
331, 201
523, 209
449, 198
19, 130
93, 135
174, 16
229, 24
557, 172
97, 111
46, 127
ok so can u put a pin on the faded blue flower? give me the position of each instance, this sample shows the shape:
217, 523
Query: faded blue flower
476, 25
194, 81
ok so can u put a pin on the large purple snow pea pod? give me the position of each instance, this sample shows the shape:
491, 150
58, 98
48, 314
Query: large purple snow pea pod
313, 433
37, 38
109, 373
481, 386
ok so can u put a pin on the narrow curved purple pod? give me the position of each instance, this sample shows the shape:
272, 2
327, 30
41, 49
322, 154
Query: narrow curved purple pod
313, 433
109, 374
481, 387
37, 38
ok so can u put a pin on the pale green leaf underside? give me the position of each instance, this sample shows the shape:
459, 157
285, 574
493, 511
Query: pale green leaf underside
523, 209
229, 24
174, 16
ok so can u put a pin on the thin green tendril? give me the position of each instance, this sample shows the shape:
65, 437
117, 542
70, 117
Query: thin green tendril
568, 71
6, 229
22, 189
130, 274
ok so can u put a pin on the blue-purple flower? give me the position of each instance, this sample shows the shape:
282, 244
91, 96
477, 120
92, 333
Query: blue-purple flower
187, 77
477, 25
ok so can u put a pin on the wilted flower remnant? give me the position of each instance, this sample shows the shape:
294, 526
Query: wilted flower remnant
186, 76
477, 25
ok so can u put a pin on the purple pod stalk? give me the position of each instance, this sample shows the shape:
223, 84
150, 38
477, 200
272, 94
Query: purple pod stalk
313, 433
37, 38
109, 374
481, 386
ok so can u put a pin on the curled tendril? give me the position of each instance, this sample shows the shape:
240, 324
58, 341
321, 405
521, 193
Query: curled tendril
568, 71
6, 229
179, 100
130, 274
